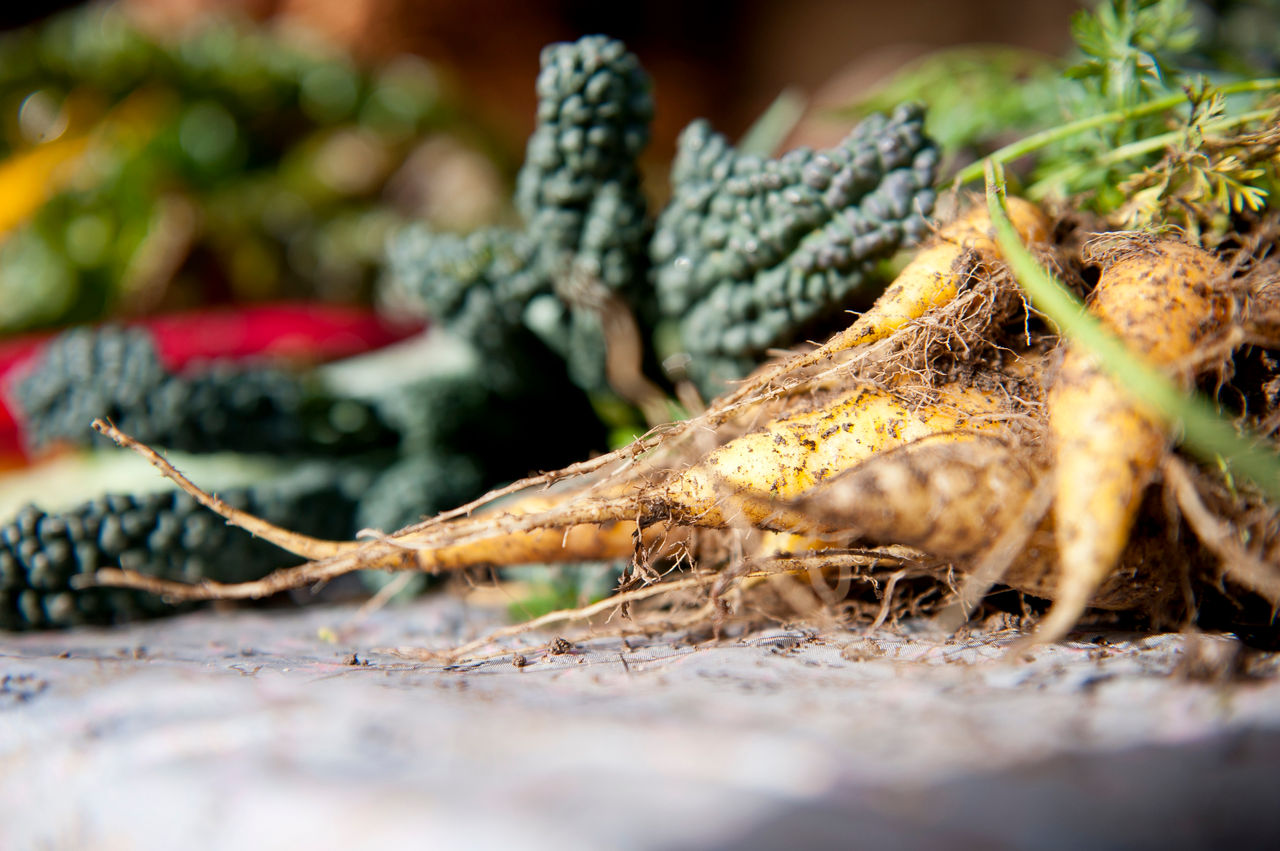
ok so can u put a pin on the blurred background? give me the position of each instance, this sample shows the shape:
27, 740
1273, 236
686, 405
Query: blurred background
719, 59
160, 155
261, 149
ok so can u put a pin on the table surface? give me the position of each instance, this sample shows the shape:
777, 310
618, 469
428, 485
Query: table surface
321, 728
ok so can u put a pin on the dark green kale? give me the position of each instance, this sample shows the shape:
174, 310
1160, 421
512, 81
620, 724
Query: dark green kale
165, 534
418, 486
751, 252
115, 373
462, 433
585, 225
440, 441
476, 284
579, 190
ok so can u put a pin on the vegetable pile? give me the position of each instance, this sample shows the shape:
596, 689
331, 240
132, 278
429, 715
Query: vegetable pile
977, 428
965, 440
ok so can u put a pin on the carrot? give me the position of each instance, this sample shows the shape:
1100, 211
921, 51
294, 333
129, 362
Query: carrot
936, 273
1165, 300
974, 500
944, 497
793, 453
931, 280
743, 482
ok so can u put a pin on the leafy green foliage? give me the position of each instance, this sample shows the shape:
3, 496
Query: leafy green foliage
115, 373
1205, 178
1136, 71
165, 534
750, 252
225, 164
1131, 49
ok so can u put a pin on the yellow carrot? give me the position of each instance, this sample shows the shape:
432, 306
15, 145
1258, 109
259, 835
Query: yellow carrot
936, 273
743, 480
1165, 299
948, 498
932, 279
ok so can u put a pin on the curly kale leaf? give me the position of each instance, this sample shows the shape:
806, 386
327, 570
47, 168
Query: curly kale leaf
751, 251
585, 223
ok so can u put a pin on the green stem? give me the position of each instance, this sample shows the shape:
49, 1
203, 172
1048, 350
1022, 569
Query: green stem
1204, 431
1061, 178
766, 134
1034, 142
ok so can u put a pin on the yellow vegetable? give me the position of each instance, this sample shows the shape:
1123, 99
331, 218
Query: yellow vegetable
931, 280
744, 479
947, 498
1165, 300
936, 273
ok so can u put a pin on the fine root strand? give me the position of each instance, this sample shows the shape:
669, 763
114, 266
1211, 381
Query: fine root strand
1219, 536
312, 549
